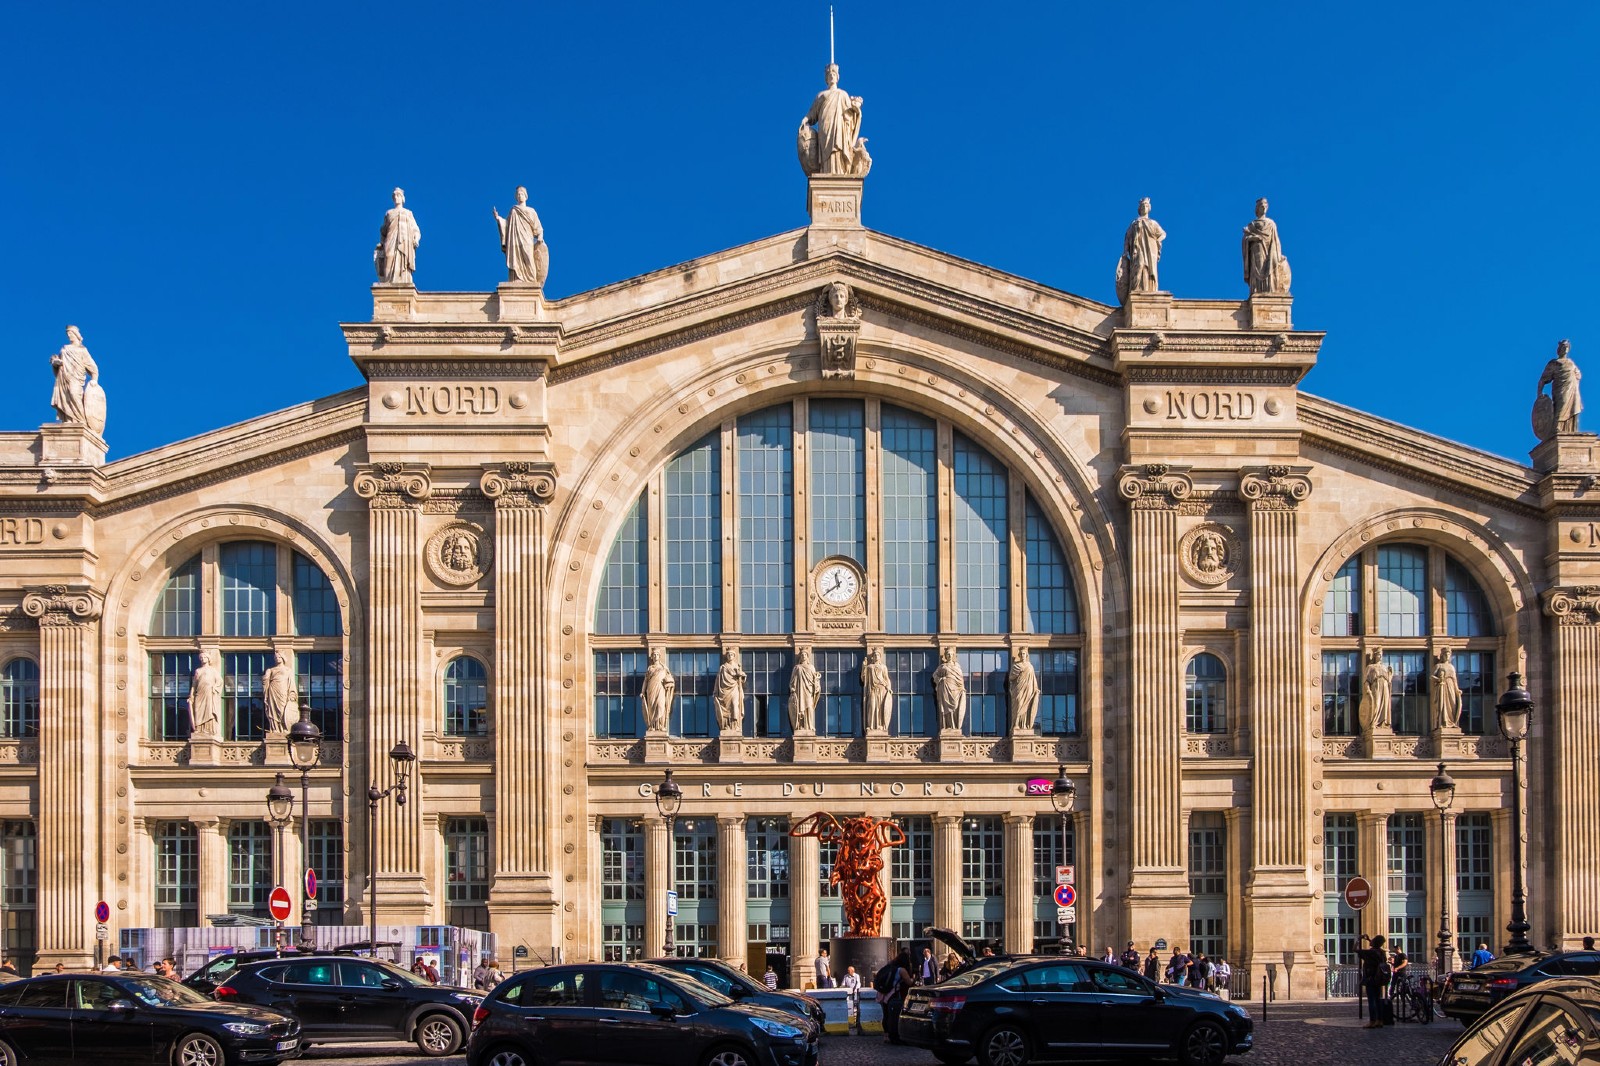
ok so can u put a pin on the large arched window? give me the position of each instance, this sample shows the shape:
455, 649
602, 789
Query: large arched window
466, 698
19, 699
1408, 605
250, 601
1206, 694
729, 542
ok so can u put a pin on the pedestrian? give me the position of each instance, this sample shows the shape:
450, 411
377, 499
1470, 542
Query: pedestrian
987, 952
1194, 969
8, 967
166, 968
1180, 967
1152, 966
419, 967
896, 997
1481, 956
951, 964
1108, 956
1130, 957
61, 967
1375, 974
1399, 971
851, 983
480, 975
113, 964
929, 969
770, 978
824, 974
1588, 943
1223, 975
1207, 971
494, 976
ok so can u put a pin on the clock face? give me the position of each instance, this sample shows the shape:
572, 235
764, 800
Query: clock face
837, 584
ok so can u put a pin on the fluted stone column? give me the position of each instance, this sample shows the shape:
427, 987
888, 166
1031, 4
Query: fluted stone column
657, 880
1018, 926
947, 871
1372, 845
1575, 733
522, 903
69, 767
805, 870
211, 860
733, 929
1278, 894
394, 493
1158, 889
1442, 861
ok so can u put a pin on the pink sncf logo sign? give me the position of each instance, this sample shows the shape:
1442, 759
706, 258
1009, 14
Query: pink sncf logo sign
1039, 786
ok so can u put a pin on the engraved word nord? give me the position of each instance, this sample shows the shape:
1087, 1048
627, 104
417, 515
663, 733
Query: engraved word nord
452, 400
1211, 406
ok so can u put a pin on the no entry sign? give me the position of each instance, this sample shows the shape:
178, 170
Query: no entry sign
1066, 895
1357, 893
278, 903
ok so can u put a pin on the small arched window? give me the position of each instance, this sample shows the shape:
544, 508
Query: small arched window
1206, 685
466, 698
19, 699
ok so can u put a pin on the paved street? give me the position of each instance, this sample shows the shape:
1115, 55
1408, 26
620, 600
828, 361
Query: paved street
1301, 1035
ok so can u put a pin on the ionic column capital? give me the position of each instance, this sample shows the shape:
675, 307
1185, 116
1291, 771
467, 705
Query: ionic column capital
519, 484
1275, 488
1571, 605
393, 484
62, 605
1154, 486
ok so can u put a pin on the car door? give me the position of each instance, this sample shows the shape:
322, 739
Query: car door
309, 990
1131, 1016
37, 1020
549, 1010
373, 1000
1551, 1036
1059, 1002
103, 1035
630, 1028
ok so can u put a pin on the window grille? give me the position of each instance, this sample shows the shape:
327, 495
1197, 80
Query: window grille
618, 681
249, 867
909, 525
764, 452
693, 515
623, 605
980, 503
838, 480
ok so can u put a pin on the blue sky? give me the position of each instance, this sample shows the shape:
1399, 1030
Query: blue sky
198, 187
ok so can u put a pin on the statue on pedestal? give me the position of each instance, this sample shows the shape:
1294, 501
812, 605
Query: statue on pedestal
1558, 412
205, 700
829, 140
1022, 686
728, 695
1376, 686
805, 689
522, 240
395, 256
656, 694
77, 397
278, 695
1446, 693
1265, 268
877, 698
949, 691
856, 868
1141, 251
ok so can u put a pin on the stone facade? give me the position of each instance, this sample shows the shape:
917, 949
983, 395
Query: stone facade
464, 505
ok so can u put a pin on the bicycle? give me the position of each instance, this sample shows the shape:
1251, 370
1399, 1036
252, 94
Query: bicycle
1411, 1003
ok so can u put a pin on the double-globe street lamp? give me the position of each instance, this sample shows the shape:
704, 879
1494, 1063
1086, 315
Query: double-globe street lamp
1513, 711
400, 760
1062, 794
669, 797
1443, 790
280, 812
305, 751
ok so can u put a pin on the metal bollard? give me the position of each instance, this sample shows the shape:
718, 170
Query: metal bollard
1263, 998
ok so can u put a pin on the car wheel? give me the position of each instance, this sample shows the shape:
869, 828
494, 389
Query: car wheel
8, 1056
1004, 1046
1204, 1045
507, 1056
199, 1049
438, 1034
729, 1056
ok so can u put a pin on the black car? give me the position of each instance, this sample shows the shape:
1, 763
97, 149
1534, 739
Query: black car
1052, 1008
1468, 993
346, 999
635, 1013
135, 1018
206, 979
967, 954
1554, 1021
736, 984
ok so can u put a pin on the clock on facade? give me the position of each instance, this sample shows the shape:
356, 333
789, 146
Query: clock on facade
837, 583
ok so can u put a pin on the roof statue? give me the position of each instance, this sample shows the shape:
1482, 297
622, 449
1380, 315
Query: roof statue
1141, 251
395, 257
1557, 411
77, 397
522, 239
829, 140
1265, 268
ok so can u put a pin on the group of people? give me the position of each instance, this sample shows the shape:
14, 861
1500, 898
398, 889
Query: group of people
1191, 969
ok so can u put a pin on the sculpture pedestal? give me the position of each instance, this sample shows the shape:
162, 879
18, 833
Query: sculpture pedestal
70, 444
865, 953
657, 748
730, 749
1147, 310
1269, 311
520, 301
834, 203
392, 302
1569, 453
950, 745
805, 748
205, 751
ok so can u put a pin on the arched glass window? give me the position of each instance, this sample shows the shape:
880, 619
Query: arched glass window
1206, 694
466, 698
19, 699
622, 606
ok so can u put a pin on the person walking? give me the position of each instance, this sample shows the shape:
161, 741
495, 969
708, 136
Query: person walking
1152, 966
896, 997
929, 971
1481, 956
1223, 976
1375, 974
770, 978
824, 973
851, 983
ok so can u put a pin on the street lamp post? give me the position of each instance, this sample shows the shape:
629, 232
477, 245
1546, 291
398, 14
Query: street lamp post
1514, 710
1062, 793
669, 797
280, 812
305, 751
400, 760
1443, 790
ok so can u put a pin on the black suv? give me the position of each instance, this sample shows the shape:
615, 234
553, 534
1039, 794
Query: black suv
346, 999
1468, 993
206, 979
1057, 1008
635, 1013
736, 984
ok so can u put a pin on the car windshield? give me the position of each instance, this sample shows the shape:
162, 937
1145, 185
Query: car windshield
160, 992
701, 991
968, 978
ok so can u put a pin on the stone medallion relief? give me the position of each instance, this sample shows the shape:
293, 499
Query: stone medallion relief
1209, 554
458, 555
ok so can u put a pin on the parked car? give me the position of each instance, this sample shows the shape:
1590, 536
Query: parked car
635, 1013
1468, 993
967, 954
135, 1018
1056, 1008
206, 979
347, 999
1552, 1021
738, 985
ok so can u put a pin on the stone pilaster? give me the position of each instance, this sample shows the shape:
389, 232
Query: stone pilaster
522, 903
211, 857
1442, 871
1574, 731
733, 930
1018, 924
394, 493
805, 871
1278, 892
1372, 846
657, 880
70, 764
947, 871
1158, 888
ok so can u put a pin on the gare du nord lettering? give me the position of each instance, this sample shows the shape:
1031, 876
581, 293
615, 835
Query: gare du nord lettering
452, 400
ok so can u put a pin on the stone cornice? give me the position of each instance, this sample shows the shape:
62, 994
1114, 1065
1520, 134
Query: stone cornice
1576, 605
519, 484
386, 485
61, 605
1278, 487
1154, 486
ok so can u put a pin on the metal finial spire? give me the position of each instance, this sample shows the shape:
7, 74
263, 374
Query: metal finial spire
830, 33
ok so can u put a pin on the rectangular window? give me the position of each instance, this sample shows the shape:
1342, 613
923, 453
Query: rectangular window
1341, 687
985, 671
695, 940
622, 870
982, 568
19, 699
1341, 606
911, 680
981, 931
1208, 854
1051, 849
767, 691
1466, 609
1051, 604
982, 857
177, 612
177, 902
326, 850
693, 515
1057, 670
838, 480
1476, 677
249, 868
695, 852
839, 714
1341, 938
466, 871
170, 674
466, 698
623, 607
1408, 697
19, 890
621, 942
765, 461
911, 864
767, 858
1474, 853
244, 713
249, 572
1472, 930
1406, 870
1402, 592
320, 681
1340, 924
692, 711
827, 855
910, 523
316, 608
618, 677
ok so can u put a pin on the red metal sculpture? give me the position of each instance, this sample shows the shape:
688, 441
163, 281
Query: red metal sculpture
861, 842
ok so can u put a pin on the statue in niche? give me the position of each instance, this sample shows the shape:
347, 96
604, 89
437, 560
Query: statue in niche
278, 694
205, 699
877, 697
1446, 693
829, 140
77, 397
1265, 268
1141, 251
395, 257
949, 691
1376, 685
522, 240
728, 695
1022, 687
656, 694
805, 689
1557, 411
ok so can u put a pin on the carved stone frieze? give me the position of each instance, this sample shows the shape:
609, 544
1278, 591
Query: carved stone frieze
1275, 487
519, 484
61, 605
1576, 605
1209, 554
459, 554
838, 314
1208, 745
19, 752
393, 484
1154, 486
15, 619
457, 502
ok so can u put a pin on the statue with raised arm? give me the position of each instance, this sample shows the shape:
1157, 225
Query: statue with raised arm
805, 689
1376, 686
522, 240
856, 867
395, 257
877, 697
1141, 251
1265, 268
1558, 412
205, 699
829, 140
728, 695
656, 694
949, 691
278, 694
1446, 693
77, 397
1022, 687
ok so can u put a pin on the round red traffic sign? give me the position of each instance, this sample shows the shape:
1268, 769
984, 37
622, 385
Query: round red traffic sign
278, 903
1066, 895
1357, 893
311, 883
102, 912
